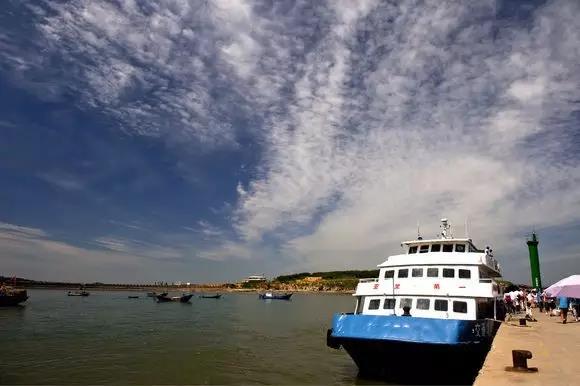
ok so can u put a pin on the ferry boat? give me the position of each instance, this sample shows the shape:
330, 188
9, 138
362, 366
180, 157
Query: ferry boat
429, 317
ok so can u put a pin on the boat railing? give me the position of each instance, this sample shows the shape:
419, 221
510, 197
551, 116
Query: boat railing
370, 280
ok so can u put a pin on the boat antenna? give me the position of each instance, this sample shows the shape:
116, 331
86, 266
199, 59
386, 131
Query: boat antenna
419, 237
466, 228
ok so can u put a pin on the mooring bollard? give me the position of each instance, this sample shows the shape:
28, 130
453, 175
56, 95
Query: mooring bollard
520, 362
522, 321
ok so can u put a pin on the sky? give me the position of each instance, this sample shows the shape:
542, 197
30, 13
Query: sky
206, 141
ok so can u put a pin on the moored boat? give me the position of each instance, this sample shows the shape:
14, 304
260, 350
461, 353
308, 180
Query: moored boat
274, 296
10, 297
432, 308
78, 293
155, 294
184, 298
163, 298
216, 296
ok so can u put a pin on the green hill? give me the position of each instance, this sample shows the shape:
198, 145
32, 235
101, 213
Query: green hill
332, 275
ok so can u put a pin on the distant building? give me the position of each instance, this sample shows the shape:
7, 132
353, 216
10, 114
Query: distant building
255, 279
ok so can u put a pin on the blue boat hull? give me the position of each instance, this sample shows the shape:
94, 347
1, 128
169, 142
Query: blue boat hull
414, 350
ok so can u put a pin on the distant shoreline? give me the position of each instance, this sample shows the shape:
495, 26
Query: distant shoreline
183, 289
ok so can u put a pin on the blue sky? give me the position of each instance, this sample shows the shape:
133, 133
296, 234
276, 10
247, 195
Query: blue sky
207, 141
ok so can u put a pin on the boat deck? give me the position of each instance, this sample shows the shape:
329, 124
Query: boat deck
554, 346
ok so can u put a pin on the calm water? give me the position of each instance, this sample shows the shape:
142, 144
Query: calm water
107, 338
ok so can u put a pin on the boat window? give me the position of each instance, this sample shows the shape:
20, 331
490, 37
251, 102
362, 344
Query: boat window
424, 248
389, 304
447, 247
448, 272
432, 272
413, 249
460, 248
417, 272
441, 305
374, 304
472, 248
405, 302
464, 274
436, 248
460, 307
423, 304
389, 274
403, 273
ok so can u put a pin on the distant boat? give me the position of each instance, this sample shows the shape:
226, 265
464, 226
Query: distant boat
273, 296
155, 294
163, 298
133, 297
78, 293
184, 298
11, 297
216, 296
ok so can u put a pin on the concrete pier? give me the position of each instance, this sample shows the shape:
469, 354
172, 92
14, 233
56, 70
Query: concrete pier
555, 348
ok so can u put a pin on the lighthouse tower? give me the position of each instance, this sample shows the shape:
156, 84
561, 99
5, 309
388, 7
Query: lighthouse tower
534, 261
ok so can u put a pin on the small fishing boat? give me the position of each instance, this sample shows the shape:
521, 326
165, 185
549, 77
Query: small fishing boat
216, 296
133, 297
184, 298
273, 296
12, 297
78, 293
155, 294
163, 298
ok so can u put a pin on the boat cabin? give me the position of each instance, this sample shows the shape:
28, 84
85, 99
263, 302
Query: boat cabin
445, 278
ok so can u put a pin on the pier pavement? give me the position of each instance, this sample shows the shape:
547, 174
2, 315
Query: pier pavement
555, 349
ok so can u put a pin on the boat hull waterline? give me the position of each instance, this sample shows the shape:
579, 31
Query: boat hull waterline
393, 348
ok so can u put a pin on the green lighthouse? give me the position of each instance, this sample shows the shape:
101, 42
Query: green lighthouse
535, 261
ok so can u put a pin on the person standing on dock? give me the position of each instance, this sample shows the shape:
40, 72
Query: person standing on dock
563, 304
540, 301
575, 305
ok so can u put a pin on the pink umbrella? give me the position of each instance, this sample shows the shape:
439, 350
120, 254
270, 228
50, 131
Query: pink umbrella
568, 287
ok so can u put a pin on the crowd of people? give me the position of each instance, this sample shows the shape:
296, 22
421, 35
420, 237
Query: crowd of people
522, 300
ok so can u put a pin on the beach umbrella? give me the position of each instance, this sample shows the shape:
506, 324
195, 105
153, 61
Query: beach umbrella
568, 287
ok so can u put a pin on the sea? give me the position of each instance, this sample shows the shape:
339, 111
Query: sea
107, 338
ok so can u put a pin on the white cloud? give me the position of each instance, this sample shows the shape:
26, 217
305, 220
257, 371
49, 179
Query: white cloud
445, 121
16, 231
62, 180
